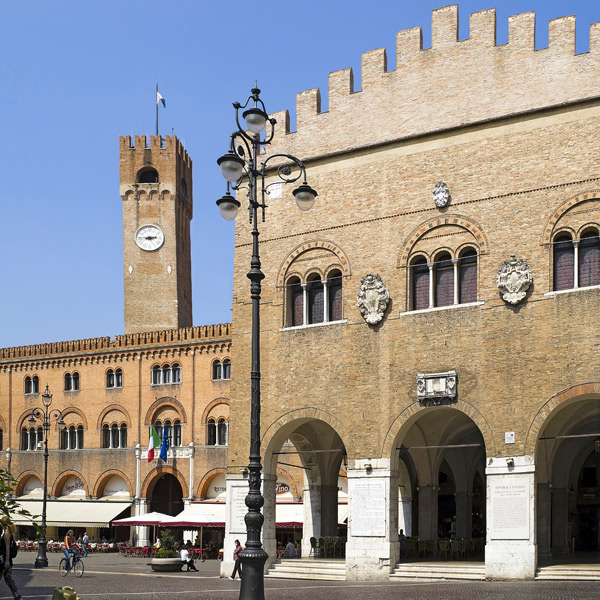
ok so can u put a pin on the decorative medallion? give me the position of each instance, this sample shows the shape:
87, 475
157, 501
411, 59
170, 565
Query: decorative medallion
372, 298
441, 194
514, 279
436, 389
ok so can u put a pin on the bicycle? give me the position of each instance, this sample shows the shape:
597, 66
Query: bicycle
77, 565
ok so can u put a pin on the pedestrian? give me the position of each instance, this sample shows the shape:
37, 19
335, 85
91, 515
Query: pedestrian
85, 540
237, 568
403, 543
68, 548
7, 542
290, 549
184, 554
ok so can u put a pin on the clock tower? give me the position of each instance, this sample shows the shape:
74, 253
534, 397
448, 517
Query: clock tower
156, 189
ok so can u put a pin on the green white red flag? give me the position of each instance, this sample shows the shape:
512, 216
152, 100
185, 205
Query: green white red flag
153, 443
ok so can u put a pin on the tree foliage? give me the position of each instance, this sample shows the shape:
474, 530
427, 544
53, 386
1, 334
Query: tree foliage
9, 507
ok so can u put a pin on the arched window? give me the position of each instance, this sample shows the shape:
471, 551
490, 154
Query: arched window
35, 385
217, 370
211, 432
39, 438
420, 284
444, 280
296, 302
28, 385
589, 259
72, 438
147, 175
110, 378
316, 300
68, 382
75, 379
119, 378
80, 437
222, 432
467, 278
564, 262
114, 436
64, 439
226, 369
166, 374
176, 373
123, 436
24, 439
32, 439
156, 375
176, 437
105, 436
334, 289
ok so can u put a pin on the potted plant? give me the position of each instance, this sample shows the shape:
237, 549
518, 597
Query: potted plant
166, 558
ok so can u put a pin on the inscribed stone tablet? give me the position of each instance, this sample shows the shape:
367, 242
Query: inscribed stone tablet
510, 509
368, 508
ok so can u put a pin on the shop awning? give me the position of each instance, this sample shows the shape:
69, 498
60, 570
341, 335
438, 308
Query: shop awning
198, 514
289, 514
72, 513
151, 518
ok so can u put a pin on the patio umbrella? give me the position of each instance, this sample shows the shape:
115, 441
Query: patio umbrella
151, 518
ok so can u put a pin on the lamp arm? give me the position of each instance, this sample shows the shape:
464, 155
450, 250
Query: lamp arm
284, 171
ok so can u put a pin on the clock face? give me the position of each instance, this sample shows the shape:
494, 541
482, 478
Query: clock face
149, 237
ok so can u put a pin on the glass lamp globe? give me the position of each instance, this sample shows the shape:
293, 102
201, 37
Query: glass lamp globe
228, 206
256, 119
305, 197
231, 166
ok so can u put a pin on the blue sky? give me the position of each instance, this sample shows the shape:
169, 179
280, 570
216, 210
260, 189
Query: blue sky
76, 75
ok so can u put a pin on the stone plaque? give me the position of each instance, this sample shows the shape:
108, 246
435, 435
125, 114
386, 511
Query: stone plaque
238, 509
368, 508
509, 500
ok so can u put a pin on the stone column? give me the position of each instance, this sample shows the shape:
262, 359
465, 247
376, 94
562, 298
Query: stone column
464, 518
325, 301
431, 274
455, 266
372, 549
560, 520
329, 510
511, 549
576, 263
304, 303
405, 511
142, 533
428, 513
544, 519
311, 497
269, 540
235, 526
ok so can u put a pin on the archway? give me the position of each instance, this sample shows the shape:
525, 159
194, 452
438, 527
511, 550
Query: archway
439, 457
166, 495
313, 455
568, 482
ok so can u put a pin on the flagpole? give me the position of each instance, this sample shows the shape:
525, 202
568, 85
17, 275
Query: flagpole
157, 110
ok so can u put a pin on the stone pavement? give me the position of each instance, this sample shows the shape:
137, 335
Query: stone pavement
109, 577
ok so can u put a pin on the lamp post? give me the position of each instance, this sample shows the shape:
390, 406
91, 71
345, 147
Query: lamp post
240, 167
45, 416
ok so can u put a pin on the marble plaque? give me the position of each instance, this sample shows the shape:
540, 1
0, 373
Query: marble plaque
368, 508
510, 506
238, 509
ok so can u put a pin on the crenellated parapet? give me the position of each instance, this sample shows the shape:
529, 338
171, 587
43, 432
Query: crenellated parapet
452, 84
220, 332
170, 143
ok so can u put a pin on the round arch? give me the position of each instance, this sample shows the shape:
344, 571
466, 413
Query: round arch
409, 413
463, 221
206, 480
156, 474
572, 393
164, 401
103, 479
62, 478
77, 411
309, 414
118, 407
23, 478
562, 208
342, 258
211, 405
285, 475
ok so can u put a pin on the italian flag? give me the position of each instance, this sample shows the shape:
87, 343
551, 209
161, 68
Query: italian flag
153, 443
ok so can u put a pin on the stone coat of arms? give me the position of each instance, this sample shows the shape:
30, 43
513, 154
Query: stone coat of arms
372, 298
441, 194
514, 279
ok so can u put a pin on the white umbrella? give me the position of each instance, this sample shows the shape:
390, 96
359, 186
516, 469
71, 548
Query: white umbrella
151, 518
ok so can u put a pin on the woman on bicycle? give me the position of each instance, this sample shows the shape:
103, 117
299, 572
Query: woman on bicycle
68, 547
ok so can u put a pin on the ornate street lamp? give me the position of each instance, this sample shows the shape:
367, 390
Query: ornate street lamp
241, 169
45, 416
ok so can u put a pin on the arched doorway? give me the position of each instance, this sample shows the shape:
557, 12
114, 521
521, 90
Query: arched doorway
568, 482
439, 457
166, 495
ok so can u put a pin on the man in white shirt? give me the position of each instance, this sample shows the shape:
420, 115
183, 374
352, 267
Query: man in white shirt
185, 558
290, 549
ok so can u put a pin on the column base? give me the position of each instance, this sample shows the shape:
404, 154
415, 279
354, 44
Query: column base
510, 560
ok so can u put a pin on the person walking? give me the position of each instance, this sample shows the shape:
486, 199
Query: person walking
6, 560
68, 547
238, 565
85, 541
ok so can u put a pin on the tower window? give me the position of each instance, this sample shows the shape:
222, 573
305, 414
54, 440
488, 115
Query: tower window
147, 175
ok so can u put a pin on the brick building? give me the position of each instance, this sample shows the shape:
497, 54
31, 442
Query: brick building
162, 371
463, 394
